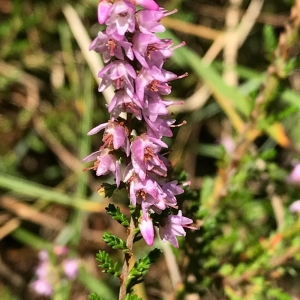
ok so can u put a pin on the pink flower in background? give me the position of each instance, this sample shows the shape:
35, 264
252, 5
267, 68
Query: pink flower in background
70, 267
294, 176
48, 274
60, 250
295, 207
228, 143
42, 287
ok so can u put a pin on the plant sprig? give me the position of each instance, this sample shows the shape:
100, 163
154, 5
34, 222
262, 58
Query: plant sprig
141, 267
107, 264
115, 242
115, 213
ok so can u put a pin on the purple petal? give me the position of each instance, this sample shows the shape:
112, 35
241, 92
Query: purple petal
97, 128
92, 156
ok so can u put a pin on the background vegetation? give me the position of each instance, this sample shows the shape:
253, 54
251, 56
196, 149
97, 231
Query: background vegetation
241, 142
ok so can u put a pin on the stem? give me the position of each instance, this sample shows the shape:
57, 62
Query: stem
125, 269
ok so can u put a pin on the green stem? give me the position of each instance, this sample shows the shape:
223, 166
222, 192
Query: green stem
125, 269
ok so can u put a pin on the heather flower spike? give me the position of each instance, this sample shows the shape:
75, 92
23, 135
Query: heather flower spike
131, 146
136, 72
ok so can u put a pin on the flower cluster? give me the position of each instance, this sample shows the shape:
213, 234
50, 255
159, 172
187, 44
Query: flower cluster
47, 274
135, 57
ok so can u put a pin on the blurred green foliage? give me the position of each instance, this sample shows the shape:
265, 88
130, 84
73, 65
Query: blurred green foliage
248, 243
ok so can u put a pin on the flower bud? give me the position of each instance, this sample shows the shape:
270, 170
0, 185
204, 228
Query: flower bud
147, 230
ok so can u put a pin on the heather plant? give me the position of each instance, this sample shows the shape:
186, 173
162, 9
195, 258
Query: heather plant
132, 143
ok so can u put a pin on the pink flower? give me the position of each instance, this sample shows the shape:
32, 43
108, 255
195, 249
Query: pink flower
146, 192
147, 230
121, 102
148, 21
149, 4
150, 50
144, 156
121, 18
42, 287
103, 11
43, 269
115, 136
171, 189
43, 255
173, 227
153, 80
294, 176
110, 47
120, 73
60, 250
70, 268
105, 163
159, 128
295, 207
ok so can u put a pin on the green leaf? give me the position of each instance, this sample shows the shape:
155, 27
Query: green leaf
132, 297
141, 267
34, 190
277, 293
210, 150
107, 189
291, 97
226, 269
270, 42
116, 214
94, 296
107, 263
114, 242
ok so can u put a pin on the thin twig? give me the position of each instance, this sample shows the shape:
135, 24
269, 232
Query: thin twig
266, 18
125, 269
11, 275
192, 29
232, 43
172, 264
27, 212
277, 207
9, 227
